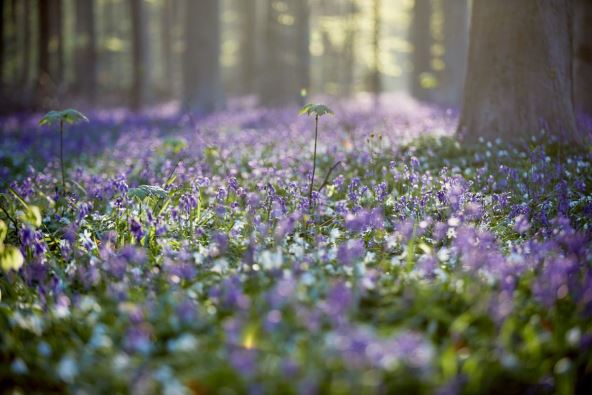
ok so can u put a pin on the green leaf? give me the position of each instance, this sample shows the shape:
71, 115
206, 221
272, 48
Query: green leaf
32, 215
317, 109
3, 233
144, 191
11, 258
69, 116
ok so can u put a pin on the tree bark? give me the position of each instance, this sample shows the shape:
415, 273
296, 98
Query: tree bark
27, 44
86, 52
138, 88
449, 91
302, 15
421, 41
167, 44
44, 80
202, 74
376, 77
519, 75
287, 54
583, 55
248, 47
2, 49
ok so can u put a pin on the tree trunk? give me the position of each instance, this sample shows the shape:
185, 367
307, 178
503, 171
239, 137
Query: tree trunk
456, 45
137, 94
286, 54
167, 44
202, 74
520, 71
302, 14
583, 55
44, 81
27, 44
421, 41
2, 50
86, 53
376, 80
248, 48
57, 42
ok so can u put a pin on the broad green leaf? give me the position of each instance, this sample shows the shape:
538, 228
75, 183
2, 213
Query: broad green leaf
50, 118
11, 258
69, 116
32, 215
72, 116
144, 191
317, 109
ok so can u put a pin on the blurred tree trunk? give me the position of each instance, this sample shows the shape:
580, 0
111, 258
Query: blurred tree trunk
421, 40
302, 15
519, 71
27, 44
248, 48
138, 89
287, 66
44, 80
167, 43
2, 49
456, 44
202, 74
350, 48
86, 52
56, 43
376, 80
583, 55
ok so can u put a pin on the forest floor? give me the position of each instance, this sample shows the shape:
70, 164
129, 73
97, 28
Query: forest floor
187, 256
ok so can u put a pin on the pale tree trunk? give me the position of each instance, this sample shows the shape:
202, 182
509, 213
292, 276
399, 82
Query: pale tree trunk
166, 34
519, 75
86, 53
583, 55
456, 44
286, 54
139, 58
302, 14
376, 80
248, 49
421, 41
202, 74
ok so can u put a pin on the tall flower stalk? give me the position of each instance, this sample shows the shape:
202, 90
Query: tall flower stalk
318, 110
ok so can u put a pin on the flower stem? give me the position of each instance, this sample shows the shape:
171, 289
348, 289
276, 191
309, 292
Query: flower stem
314, 162
62, 154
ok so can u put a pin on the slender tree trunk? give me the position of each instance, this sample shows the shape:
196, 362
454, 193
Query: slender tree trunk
376, 80
167, 43
350, 48
86, 52
248, 50
202, 74
519, 71
57, 41
137, 94
287, 54
27, 44
302, 14
456, 45
422, 41
44, 80
583, 55
2, 49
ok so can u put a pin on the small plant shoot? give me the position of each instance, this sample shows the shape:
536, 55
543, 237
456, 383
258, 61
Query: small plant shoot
69, 116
